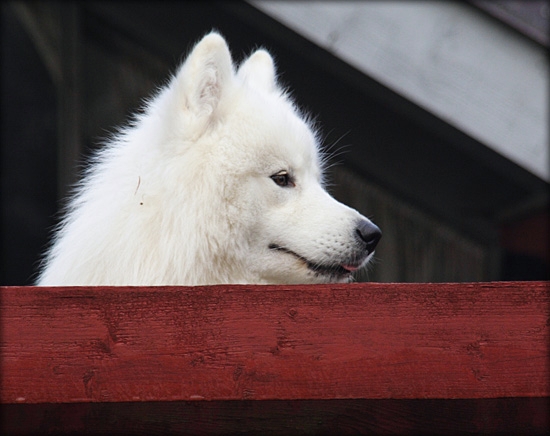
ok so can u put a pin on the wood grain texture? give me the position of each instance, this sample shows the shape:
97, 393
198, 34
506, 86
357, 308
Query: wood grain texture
358, 341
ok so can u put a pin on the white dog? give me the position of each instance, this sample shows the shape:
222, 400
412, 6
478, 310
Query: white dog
218, 181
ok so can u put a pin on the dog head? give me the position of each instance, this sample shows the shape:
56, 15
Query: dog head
256, 166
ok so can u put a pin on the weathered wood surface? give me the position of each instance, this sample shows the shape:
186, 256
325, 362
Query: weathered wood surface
436, 54
358, 341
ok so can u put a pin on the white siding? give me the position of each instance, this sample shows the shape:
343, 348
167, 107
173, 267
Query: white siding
447, 57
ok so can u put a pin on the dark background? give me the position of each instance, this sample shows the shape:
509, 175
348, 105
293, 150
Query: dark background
72, 72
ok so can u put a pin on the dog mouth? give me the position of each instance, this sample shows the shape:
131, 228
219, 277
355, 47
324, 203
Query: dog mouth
336, 270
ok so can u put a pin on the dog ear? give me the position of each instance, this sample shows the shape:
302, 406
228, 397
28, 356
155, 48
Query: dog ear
204, 75
259, 70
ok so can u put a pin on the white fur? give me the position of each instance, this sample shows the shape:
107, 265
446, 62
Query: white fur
185, 195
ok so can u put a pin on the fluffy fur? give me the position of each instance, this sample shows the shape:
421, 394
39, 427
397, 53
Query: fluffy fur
218, 181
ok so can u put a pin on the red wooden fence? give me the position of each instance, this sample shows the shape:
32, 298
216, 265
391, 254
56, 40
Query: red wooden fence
358, 358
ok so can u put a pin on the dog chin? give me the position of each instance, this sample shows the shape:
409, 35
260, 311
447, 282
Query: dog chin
332, 278
321, 272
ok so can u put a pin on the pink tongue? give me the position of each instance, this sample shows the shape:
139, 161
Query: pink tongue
350, 268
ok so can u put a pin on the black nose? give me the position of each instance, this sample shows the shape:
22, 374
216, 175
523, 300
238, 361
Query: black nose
369, 233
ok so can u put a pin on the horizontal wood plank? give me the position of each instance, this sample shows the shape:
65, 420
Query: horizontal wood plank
241, 342
493, 416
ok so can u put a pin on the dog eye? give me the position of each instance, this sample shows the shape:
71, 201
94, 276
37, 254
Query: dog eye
283, 179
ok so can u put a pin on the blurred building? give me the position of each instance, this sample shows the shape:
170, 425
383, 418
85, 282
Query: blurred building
439, 110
